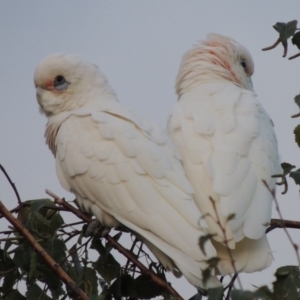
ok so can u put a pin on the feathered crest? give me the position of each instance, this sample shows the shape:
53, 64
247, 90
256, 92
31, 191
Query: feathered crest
216, 58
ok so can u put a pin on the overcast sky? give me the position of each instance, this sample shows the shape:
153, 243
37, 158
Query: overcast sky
138, 45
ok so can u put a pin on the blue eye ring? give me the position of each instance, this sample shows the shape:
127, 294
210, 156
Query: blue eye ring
60, 83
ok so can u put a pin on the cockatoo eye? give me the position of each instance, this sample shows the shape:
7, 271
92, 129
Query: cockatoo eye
60, 83
244, 65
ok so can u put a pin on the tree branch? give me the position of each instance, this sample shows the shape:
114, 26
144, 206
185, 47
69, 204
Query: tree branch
12, 184
295, 246
52, 264
165, 285
278, 223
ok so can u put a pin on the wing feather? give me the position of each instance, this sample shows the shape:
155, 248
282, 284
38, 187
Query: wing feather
123, 169
224, 135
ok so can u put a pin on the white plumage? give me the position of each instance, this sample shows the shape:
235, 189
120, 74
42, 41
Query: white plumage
121, 167
228, 147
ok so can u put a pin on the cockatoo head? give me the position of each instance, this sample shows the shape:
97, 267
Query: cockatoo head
216, 58
65, 82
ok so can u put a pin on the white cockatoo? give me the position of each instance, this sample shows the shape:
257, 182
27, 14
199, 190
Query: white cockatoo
228, 146
121, 167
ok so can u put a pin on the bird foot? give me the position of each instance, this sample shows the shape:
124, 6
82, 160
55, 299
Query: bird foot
95, 228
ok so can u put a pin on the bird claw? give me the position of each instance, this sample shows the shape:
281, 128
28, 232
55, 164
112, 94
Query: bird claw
95, 228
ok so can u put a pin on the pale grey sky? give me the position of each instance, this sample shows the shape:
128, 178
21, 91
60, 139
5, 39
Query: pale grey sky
138, 45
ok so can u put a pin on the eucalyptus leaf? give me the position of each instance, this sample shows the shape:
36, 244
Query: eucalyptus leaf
15, 295
215, 294
297, 134
287, 284
10, 279
90, 282
106, 265
35, 292
296, 176
146, 288
38, 204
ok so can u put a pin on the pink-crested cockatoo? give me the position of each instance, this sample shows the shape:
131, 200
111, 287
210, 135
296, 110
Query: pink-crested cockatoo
122, 167
228, 147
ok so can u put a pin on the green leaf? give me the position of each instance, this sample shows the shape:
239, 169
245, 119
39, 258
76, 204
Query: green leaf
71, 271
297, 98
296, 176
24, 212
7, 245
215, 294
287, 284
15, 295
38, 204
262, 293
286, 167
105, 295
90, 282
116, 237
6, 263
10, 279
106, 265
146, 288
22, 256
286, 30
35, 292
108, 269
33, 266
100, 297
297, 134
56, 248
56, 222
296, 41
50, 278
124, 286
76, 261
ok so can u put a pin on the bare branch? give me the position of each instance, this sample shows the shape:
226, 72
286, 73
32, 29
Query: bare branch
119, 247
292, 57
12, 184
272, 46
280, 223
295, 246
52, 264
230, 286
218, 221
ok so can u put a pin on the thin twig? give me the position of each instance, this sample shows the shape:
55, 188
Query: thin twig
218, 221
12, 184
272, 46
19, 207
230, 286
298, 114
165, 285
292, 57
52, 264
295, 246
72, 224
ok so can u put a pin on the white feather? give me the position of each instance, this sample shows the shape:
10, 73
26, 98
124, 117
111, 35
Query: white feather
122, 167
228, 146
